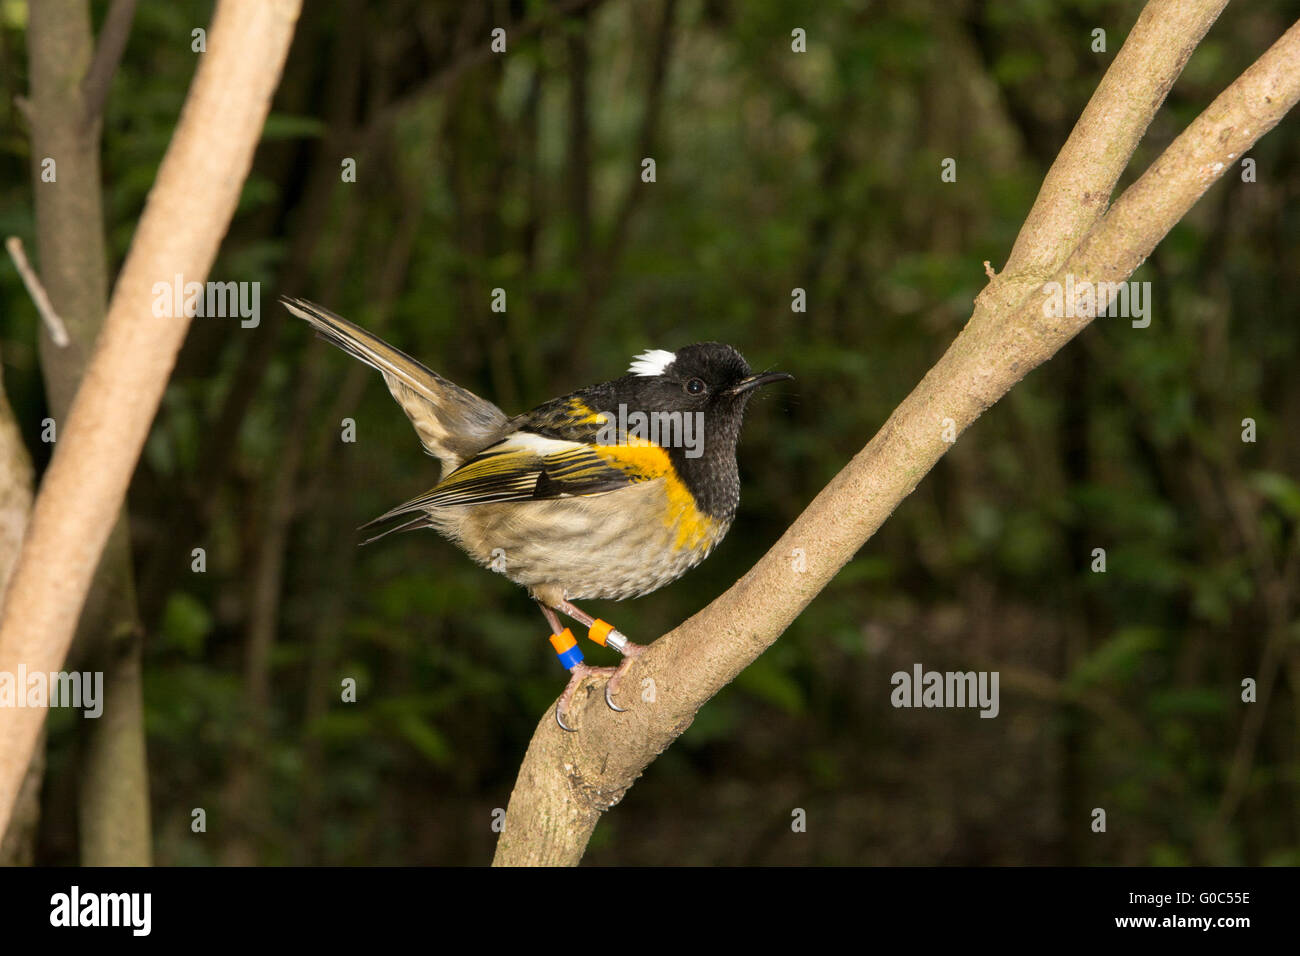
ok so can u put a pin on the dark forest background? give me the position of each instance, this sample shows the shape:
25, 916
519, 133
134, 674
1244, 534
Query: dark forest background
775, 170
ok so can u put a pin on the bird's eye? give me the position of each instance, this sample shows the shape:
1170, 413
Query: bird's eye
695, 386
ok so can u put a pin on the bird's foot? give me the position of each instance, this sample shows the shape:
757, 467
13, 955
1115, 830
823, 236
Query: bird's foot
580, 673
601, 632
630, 653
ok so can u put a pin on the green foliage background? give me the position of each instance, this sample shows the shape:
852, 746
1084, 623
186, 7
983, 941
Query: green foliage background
775, 170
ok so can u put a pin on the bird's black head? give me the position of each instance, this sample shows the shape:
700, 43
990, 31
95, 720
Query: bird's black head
709, 377
693, 401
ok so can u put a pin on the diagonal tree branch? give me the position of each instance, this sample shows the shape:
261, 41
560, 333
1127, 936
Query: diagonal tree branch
108, 53
186, 215
567, 780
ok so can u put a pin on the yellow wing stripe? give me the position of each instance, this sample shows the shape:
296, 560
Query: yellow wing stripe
583, 414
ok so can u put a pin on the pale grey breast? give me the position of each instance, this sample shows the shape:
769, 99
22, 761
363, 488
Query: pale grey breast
593, 547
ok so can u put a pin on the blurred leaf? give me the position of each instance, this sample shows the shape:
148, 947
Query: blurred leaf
1116, 659
766, 681
186, 622
1280, 490
1191, 701
288, 126
425, 738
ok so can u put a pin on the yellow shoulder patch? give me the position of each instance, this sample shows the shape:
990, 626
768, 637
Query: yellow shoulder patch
644, 461
583, 414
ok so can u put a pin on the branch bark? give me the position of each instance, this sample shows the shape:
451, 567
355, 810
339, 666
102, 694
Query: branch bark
18, 841
1077, 188
567, 780
186, 215
108, 53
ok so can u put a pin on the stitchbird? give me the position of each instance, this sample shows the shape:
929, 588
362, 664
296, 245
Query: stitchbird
611, 492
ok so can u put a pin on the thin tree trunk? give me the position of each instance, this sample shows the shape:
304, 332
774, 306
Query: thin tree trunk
114, 794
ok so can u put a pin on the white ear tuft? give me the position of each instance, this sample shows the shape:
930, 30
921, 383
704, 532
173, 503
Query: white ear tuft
651, 362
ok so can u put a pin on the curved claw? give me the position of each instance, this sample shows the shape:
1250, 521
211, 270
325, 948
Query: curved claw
609, 700
560, 720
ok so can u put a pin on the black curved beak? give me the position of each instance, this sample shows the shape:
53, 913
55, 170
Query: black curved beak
754, 381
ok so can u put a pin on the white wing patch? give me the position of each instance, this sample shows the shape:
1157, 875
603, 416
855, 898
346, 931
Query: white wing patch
651, 362
527, 441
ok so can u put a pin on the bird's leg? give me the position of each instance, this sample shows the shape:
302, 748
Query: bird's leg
551, 619
571, 659
600, 631
604, 633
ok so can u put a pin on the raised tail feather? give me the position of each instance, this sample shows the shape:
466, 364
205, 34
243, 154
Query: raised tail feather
453, 423
414, 524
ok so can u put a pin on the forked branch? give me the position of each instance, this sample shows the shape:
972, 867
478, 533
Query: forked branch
568, 780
